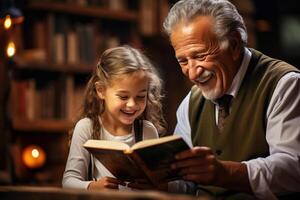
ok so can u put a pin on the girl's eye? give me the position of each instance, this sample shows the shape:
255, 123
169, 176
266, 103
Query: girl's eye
123, 97
141, 97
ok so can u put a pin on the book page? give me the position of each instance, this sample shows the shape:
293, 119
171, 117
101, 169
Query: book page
156, 141
106, 144
157, 158
119, 164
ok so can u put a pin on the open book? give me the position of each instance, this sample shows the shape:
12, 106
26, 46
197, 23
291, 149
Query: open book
148, 159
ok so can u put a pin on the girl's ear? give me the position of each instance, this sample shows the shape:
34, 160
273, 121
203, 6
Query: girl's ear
100, 89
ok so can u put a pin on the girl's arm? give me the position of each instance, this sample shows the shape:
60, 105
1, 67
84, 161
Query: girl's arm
76, 171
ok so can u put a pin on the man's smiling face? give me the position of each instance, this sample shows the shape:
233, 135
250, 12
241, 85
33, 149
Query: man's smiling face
201, 57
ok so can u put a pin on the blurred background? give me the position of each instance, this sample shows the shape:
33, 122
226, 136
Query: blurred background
48, 49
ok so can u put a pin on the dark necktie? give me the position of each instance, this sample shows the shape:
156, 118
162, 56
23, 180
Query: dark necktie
223, 110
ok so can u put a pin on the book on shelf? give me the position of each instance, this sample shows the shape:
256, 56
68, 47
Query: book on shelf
147, 160
149, 17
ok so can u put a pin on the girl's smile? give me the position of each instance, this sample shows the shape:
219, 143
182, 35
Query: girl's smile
124, 99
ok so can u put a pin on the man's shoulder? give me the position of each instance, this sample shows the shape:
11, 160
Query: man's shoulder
273, 64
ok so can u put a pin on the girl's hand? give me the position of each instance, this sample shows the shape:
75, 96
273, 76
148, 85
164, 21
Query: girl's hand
105, 182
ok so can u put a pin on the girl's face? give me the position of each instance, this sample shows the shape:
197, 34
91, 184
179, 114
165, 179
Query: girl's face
124, 99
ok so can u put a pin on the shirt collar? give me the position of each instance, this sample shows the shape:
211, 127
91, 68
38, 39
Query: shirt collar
237, 81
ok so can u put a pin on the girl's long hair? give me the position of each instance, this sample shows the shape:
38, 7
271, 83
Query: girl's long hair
117, 61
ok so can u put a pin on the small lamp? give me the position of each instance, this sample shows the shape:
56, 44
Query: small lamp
33, 157
9, 14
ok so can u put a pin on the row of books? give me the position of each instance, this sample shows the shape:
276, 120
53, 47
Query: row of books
109, 4
64, 39
153, 14
54, 99
60, 41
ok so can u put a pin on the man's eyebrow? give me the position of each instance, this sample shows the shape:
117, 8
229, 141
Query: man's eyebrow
193, 53
202, 51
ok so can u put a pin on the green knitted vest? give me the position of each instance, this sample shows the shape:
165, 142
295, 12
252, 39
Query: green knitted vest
243, 136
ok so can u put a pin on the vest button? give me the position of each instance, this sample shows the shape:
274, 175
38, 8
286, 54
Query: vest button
218, 152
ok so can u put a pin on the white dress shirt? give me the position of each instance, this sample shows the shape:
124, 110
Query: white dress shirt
279, 172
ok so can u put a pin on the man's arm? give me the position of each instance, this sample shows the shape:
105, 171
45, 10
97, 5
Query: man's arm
280, 172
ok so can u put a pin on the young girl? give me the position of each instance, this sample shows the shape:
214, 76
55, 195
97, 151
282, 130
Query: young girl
123, 96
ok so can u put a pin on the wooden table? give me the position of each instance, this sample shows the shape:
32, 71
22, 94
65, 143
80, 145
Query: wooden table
56, 193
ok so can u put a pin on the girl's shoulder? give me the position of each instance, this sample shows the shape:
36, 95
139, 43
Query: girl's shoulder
83, 126
148, 124
84, 122
149, 130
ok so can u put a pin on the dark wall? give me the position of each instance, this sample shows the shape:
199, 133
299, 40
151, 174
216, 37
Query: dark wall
280, 38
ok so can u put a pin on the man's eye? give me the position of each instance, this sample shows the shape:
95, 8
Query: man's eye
182, 62
201, 57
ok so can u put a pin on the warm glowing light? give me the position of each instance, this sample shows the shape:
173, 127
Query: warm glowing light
11, 49
35, 153
33, 157
7, 22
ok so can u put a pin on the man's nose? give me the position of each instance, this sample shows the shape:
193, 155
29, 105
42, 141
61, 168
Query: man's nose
192, 63
193, 66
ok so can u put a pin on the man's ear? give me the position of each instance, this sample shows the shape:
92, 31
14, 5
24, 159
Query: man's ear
235, 45
100, 89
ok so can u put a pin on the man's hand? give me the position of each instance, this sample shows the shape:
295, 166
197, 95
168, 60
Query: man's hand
106, 182
200, 165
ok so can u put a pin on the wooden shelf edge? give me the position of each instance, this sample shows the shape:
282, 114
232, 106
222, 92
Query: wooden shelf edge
43, 65
44, 125
85, 10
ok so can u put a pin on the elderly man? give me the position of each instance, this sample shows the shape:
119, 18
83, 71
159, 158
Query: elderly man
242, 115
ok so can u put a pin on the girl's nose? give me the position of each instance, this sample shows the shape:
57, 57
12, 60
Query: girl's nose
131, 102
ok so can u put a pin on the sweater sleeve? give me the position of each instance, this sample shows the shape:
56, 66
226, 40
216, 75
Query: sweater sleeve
76, 171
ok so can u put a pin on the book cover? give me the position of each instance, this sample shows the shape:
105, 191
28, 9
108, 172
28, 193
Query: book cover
148, 159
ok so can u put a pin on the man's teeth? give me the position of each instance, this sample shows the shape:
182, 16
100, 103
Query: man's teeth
205, 76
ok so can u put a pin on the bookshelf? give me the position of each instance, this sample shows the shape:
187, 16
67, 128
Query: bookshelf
58, 47
46, 125
91, 11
